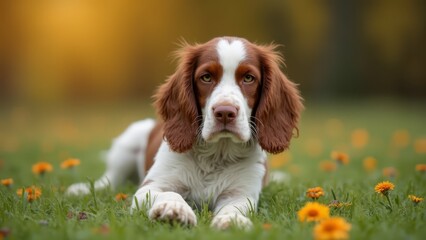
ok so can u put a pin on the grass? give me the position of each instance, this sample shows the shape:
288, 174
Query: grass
29, 135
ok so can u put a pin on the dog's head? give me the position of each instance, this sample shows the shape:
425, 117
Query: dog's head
229, 88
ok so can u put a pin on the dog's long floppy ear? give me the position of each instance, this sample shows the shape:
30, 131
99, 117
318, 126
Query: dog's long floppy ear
176, 103
279, 106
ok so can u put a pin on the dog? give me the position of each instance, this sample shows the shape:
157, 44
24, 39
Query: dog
226, 105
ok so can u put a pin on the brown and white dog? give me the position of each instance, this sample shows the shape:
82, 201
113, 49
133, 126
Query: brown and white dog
227, 104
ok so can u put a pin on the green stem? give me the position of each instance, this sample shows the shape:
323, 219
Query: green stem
390, 203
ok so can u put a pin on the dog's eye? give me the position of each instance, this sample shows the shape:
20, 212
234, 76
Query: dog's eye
248, 78
206, 78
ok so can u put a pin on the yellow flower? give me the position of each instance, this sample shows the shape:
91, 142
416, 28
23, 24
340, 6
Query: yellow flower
359, 138
421, 168
7, 182
42, 167
33, 193
415, 199
390, 172
120, 197
340, 157
70, 163
313, 211
315, 192
420, 145
384, 187
369, 164
332, 229
328, 166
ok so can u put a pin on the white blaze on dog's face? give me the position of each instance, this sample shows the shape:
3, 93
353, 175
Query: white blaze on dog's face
232, 80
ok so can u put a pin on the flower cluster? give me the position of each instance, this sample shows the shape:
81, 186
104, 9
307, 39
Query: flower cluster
32, 193
326, 227
315, 192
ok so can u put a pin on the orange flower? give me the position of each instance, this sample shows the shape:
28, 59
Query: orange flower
415, 199
42, 167
120, 197
313, 211
33, 193
369, 164
401, 138
421, 168
70, 163
332, 229
328, 166
384, 187
359, 138
315, 192
7, 182
420, 145
390, 172
340, 157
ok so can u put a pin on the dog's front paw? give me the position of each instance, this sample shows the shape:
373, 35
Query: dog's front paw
78, 189
171, 211
224, 221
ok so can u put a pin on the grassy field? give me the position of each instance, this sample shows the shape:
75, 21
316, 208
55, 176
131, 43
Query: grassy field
393, 133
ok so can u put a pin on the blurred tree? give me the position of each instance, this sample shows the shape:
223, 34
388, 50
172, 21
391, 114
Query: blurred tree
54, 51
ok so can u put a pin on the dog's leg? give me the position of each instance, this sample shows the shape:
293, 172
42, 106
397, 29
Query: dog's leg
121, 159
161, 193
233, 210
234, 203
163, 206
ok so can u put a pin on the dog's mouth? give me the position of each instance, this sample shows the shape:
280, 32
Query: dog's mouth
222, 132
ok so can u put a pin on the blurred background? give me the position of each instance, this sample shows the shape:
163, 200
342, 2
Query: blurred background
75, 73
83, 51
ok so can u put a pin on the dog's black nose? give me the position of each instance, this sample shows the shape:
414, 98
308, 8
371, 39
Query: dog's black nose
225, 114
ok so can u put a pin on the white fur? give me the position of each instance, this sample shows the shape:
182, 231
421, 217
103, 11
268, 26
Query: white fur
123, 159
202, 175
225, 173
229, 93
